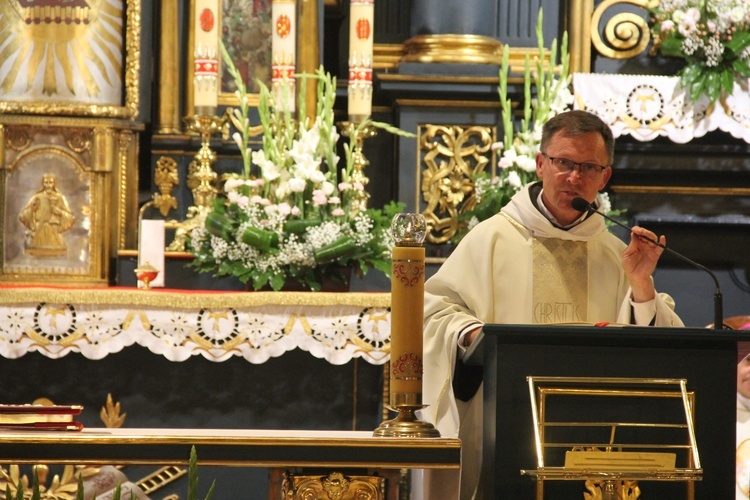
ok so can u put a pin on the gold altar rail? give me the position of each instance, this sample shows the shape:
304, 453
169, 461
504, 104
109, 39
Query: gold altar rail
230, 447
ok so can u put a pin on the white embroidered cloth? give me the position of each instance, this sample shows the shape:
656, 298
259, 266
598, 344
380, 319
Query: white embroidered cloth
649, 106
336, 327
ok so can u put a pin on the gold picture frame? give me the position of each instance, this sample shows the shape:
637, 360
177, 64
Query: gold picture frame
58, 223
70, 57
254, 45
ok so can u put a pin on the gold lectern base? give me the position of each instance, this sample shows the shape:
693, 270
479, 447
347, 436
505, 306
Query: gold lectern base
406, 424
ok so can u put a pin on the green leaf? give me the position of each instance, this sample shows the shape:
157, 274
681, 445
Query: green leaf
193, 475
741, 67
739, 42
277, 281
35, 494
727, 80
690, 74
79, 491
672, 47
712, 86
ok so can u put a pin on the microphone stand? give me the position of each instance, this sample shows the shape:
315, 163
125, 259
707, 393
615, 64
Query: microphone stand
583, 206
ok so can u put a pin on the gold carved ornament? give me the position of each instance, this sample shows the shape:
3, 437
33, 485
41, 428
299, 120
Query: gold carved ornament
452, 156
626, 490
166, 179
626, 34
334, 486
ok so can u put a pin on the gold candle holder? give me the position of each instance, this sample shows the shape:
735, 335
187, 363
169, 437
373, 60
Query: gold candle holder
357, 133
407, 323
201, 178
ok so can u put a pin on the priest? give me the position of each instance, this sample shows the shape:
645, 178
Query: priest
537, 261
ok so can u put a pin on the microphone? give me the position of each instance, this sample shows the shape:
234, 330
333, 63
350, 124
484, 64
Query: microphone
582, 205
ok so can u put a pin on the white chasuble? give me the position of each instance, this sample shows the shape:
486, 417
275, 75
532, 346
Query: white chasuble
559, 295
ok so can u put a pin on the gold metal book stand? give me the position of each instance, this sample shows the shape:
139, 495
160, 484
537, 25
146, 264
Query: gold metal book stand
613, 433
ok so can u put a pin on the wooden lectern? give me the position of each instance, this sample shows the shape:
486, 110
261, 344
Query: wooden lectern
706, 358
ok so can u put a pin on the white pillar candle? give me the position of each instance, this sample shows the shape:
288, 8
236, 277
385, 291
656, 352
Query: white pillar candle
205, 56
283, 52
361, 25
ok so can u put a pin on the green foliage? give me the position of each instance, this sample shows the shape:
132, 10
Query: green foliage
192, 493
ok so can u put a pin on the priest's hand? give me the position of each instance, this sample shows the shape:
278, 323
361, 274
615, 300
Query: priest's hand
470, 336
639, 261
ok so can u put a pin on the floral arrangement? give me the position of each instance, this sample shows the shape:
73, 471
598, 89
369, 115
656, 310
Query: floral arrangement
546, 93
292, 215
712, 36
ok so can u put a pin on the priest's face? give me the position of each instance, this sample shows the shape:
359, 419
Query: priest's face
572, 166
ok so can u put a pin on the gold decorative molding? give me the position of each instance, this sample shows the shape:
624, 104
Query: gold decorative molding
451, 156
387, 55
475, 49
308, 49
169, 120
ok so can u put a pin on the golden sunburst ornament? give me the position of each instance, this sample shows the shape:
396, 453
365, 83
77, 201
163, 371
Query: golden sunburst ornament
69, 50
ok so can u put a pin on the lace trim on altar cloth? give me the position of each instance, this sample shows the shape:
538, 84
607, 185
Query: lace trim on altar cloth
650, 106
227, 325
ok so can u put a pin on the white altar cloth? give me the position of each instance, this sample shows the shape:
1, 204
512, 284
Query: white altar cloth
649, 106
178, 324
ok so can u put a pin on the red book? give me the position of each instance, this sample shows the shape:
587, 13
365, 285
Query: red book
40, 417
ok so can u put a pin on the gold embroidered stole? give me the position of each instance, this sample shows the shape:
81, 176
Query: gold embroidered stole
559, 294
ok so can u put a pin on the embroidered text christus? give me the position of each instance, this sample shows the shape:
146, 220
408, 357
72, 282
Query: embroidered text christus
556, 312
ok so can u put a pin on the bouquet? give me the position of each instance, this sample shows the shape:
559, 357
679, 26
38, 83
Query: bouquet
292, 214
712, 36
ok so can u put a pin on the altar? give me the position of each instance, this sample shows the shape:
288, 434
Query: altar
179, 359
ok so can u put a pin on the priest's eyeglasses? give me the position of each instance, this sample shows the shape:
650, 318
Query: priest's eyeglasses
565, 166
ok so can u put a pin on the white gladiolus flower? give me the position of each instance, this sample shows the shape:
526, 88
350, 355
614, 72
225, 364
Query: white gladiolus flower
297, 185
514, 180
328, 188
316, 177
526, 163
238, 139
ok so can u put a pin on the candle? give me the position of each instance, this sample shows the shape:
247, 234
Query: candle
361, 22
407, 309
283, 52
205, 54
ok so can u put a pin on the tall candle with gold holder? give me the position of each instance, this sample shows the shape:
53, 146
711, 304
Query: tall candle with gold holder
205, 57
359, 93
284, 52
407, 323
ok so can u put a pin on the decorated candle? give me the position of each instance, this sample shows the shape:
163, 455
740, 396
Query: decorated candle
205, 54
283, 52
361, 18
407, 308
